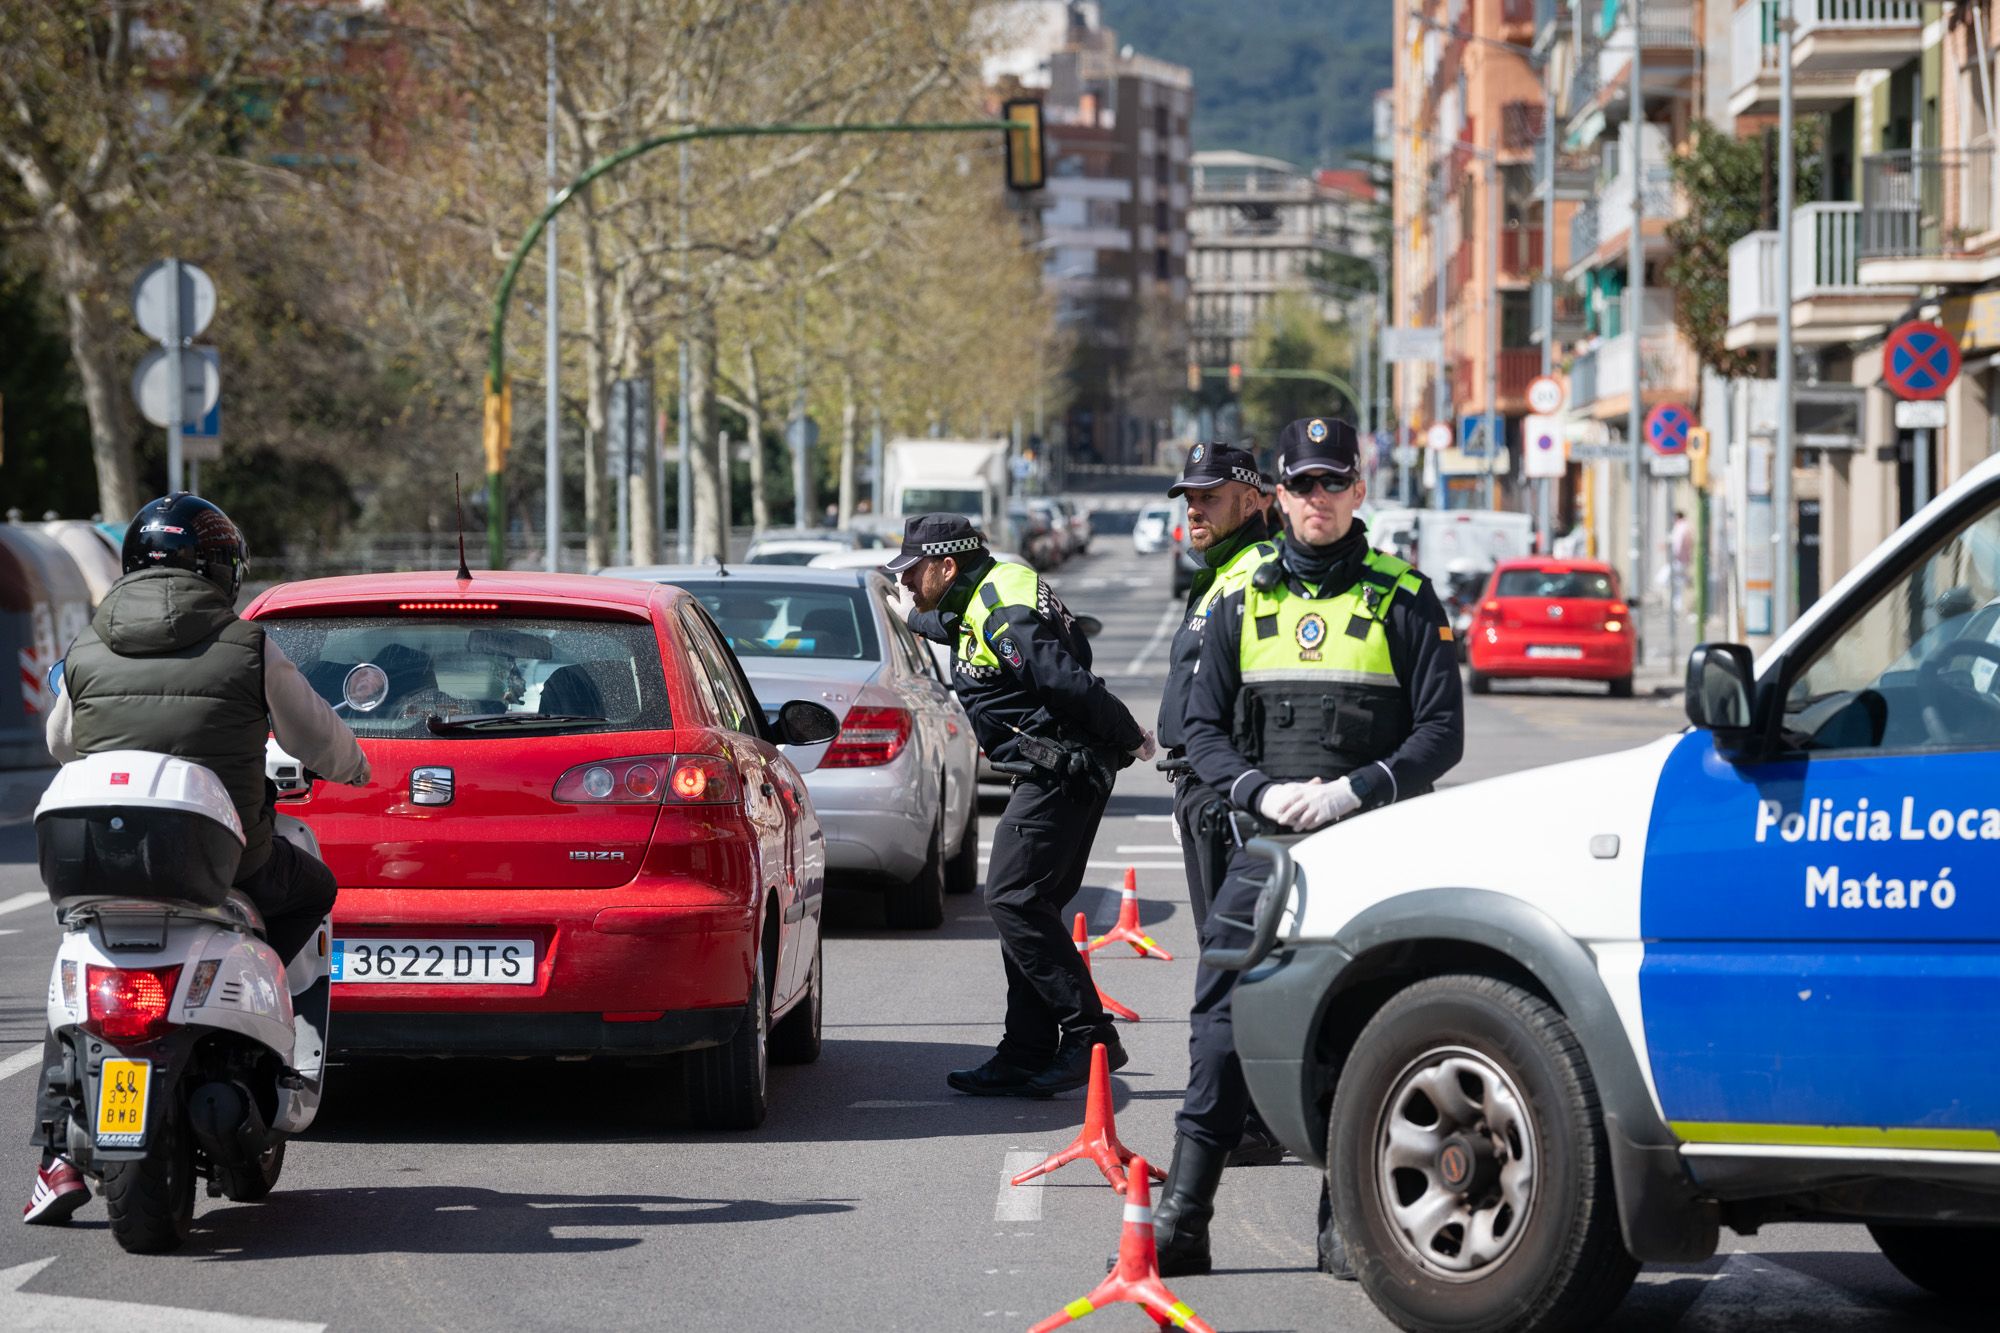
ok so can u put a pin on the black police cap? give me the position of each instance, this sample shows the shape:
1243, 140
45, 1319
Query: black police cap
926, 535
1318, 444
1211, 464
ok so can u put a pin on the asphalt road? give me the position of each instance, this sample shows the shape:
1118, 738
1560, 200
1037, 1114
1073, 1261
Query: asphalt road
554, 1196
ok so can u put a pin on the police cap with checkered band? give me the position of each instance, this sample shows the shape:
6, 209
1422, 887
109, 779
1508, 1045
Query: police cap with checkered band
927, 535
1210, 464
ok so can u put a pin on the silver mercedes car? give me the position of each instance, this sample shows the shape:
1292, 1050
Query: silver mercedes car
895, 789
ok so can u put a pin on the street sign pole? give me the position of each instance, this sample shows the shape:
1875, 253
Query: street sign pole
1781, 478
174, 342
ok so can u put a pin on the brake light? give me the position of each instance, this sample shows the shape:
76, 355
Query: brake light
1619, 608
447, 606
1179, 532
129, 1004
1491, 608
697, 779
869, 738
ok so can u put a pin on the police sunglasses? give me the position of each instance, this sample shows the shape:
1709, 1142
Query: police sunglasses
1307, 483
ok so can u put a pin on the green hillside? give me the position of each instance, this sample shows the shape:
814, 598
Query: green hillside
1295, 79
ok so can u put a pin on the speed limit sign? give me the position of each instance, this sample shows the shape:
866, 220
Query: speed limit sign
1545, 395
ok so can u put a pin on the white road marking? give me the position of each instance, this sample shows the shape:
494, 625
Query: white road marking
1147, 847
19, 1060
1019, 1203
1748, 1287
64, 1314
894, 1105
1168, 619
1153, 819
21, 902
1136, 865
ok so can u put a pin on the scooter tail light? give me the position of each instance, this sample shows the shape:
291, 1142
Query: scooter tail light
130, 1004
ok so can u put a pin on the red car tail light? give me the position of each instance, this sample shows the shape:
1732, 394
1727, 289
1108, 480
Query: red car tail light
698, 779
869, 738
129, 1004
1179, 533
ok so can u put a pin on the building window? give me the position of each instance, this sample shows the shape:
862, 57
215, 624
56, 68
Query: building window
1162, 264
1160, 215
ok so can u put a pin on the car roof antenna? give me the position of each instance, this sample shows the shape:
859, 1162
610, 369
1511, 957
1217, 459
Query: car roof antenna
458, 493
721, 566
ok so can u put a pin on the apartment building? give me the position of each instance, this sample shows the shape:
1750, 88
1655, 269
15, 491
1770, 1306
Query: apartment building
1259, 227
1467, 129
1112, 224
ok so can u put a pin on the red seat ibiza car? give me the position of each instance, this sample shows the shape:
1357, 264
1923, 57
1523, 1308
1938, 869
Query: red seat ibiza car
1552, 619
581, 837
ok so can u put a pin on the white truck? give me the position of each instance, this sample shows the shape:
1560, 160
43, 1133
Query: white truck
922, 476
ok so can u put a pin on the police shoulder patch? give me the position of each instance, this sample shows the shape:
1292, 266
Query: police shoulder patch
1008, 651
1444, 632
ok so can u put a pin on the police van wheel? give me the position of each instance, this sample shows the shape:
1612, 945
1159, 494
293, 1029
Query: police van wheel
1468, 1166
1945, 1261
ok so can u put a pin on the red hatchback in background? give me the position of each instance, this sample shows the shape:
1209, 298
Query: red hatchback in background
580, 838
1551, 619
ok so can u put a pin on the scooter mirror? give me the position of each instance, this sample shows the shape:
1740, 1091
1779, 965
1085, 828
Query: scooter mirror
365, 688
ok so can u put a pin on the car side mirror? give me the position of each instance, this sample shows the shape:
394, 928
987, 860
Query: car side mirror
1090, 625
803, 722
1719, 682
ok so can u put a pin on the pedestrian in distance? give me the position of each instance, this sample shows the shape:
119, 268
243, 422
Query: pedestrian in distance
1021, 667
1327, 686
1227, 499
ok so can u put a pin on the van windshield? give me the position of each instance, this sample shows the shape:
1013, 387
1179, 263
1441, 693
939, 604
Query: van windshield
581, 669
932, 500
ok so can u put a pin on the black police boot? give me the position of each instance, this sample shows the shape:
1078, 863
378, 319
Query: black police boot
1187, 1202
1259, 1146
1071, 1067
1332, 1249
995, 1078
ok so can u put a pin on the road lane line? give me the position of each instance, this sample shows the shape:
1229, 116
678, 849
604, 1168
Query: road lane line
1749, 1286
28, 1059
1136, 865
21, 902
1019, 1203
894, 1105
1168, 619
1147, 847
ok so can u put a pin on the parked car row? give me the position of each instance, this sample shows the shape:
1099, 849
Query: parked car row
1051, 530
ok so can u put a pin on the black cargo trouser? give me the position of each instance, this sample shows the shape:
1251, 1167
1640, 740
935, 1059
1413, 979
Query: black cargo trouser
1213, 1111
1039, 852
1204, 851
294, 891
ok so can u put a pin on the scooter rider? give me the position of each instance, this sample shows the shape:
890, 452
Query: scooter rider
1327, 686
1022, 670
167, 666
1227, 497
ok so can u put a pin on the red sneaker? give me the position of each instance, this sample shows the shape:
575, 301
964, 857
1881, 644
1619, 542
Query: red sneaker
59, 1192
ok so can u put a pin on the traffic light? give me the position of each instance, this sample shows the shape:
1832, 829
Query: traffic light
1236, 377
1194, 378
1027, 149
1697, 451
499, 425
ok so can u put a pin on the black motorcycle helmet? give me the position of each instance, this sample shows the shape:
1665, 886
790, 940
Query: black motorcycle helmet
183, 531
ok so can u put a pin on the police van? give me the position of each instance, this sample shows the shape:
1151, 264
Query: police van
1748, 973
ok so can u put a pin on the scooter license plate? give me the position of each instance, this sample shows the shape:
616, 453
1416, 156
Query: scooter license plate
122, 1091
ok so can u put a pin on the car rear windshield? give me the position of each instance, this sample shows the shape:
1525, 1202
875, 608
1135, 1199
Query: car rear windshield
1554, 583
770, 619
466, 667
787, 557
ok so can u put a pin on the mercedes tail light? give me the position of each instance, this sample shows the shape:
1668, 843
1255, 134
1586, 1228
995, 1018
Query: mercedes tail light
676, 779
869, 738
129, 1004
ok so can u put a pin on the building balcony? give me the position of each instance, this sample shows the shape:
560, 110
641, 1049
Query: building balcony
1830, 303
1575, 171
1844, 36
1602, 237
1927, 217
1514, 369
1565, 320
1755, 75
1520, 253
1583, 381
1665, 32
1668, 369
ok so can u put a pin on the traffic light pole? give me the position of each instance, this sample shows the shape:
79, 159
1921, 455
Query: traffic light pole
499, 395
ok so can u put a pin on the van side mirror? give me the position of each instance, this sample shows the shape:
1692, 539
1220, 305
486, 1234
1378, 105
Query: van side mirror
1719, 680
803, 722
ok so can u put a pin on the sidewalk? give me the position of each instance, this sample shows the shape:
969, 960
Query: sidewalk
1662, 667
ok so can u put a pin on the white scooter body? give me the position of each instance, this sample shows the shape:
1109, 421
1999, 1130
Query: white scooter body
251, 991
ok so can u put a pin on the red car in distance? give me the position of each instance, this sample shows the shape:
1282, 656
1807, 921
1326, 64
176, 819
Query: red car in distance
581, 837
1544, 618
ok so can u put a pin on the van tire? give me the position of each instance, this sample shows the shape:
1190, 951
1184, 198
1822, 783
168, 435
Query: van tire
1564, 1265
1945, 1261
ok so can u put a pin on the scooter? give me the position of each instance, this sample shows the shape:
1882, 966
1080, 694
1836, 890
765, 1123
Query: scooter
190, 1049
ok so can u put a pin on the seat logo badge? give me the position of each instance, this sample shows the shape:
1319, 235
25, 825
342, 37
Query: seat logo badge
431, 786
597, 856
1311, 634
1555, 613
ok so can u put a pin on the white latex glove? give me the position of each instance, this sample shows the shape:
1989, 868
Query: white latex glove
1278, 801
1322, 803
1147, 749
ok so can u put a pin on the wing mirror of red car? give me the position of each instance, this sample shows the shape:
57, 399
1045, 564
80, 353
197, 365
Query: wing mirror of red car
803, 722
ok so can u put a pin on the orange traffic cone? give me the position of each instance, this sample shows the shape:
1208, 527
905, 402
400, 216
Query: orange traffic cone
1111, 1006
1098, 1139
1136, 1277
1127, 928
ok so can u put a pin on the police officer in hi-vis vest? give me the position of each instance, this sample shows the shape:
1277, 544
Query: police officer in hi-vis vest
1022, 669
1327, 686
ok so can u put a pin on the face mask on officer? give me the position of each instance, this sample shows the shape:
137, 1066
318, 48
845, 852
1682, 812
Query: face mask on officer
1322, 515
